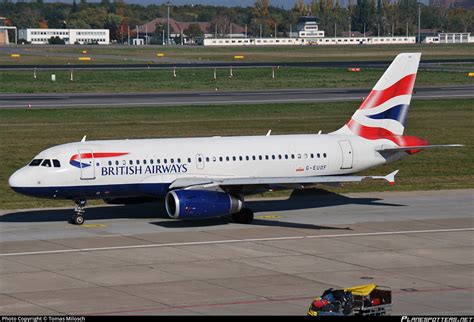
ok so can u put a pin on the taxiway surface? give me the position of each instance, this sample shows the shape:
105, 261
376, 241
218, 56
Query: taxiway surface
134, 260
65, 100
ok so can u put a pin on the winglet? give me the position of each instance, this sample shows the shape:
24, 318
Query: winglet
391, 177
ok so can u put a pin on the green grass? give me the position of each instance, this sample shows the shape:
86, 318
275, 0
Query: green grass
24, 133
122, 54
202, 79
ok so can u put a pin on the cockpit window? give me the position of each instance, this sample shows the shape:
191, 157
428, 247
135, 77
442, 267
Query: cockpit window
46, 163
35, 162
56, 163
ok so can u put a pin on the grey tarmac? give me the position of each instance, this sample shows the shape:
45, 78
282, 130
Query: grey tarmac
187, 98
133, 260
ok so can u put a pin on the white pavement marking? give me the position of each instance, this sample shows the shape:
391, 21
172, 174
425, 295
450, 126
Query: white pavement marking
229, 241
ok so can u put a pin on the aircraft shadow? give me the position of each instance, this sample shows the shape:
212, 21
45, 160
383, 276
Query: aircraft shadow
312, 198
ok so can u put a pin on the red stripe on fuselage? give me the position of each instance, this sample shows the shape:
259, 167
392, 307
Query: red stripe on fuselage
403, 87
98, 155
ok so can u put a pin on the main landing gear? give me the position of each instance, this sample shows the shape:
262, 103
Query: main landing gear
244, 216
78, 218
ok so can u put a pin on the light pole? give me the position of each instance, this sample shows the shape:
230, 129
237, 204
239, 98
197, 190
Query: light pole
419, 22
168, 20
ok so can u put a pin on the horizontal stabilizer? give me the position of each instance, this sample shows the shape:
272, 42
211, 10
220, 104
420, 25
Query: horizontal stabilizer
418, 147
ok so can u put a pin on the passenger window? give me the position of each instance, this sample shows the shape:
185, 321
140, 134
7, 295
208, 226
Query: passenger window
124, 162
273, 157
189, 160
324, 155
254, 158
179, 160
234, 158
220, 159
138, 161
130, 162
299, 156
207, 159
151, 161
56, 163
312, 156
116, 162
165, 161
36, 162
46, 163
199, 159
214, 159
110, 162
171, 160
240, 158
319, 155
279, 156
286, 156
266, 157
227, 158
292, 156
144, 161
247, 158
260, 157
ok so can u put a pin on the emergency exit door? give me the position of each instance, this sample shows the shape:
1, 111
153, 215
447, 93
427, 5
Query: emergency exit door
347, 155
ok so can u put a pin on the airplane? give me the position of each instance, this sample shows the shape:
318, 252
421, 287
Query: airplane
209, 177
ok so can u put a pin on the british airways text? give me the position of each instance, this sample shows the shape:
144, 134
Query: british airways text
139, 169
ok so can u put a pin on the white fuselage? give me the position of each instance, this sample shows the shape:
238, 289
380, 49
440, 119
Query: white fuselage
125, 168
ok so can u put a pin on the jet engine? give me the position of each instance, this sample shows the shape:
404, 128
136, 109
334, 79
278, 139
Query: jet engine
199, 204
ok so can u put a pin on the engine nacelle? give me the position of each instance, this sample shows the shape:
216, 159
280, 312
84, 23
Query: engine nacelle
199, 204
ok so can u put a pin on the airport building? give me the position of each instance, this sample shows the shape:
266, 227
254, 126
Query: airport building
4, 27
70, 36
178, 30
309, 34
450, 38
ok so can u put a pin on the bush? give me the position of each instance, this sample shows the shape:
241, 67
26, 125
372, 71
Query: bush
56, 41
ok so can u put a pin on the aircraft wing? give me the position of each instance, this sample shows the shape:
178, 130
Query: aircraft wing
294, 182
419, 147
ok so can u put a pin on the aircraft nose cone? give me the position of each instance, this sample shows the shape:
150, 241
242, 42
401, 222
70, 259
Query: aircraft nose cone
17, 181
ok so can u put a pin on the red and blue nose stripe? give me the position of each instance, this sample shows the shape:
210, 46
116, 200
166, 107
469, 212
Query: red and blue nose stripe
92, 155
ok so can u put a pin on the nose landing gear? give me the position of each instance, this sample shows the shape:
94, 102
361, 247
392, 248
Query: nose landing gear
78, 217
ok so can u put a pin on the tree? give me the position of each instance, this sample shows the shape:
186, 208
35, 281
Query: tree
193, 31
56, 41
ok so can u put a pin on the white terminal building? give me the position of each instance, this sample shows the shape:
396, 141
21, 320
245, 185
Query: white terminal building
308, 33
70, 36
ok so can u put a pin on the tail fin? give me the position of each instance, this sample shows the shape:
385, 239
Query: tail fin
383, 113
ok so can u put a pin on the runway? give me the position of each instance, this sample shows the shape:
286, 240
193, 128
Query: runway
65, 100
194, 63
134, 260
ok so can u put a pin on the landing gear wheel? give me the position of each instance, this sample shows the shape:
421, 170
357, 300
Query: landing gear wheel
244, 216
77, 219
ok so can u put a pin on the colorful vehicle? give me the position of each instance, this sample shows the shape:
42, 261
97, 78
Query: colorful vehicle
369, 299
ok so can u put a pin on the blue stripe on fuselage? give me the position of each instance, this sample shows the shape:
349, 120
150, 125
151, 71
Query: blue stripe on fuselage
96, 192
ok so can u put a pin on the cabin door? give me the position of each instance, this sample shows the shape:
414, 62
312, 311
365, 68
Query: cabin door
87, 164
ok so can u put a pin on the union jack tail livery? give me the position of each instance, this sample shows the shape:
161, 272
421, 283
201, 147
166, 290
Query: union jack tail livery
382, 115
